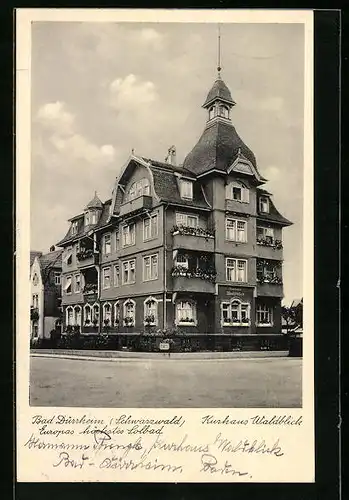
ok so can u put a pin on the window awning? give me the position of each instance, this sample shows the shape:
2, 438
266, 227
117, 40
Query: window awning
67, 285
67, 257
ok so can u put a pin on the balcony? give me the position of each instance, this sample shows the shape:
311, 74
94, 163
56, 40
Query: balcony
195, 280
270, 288
90, 292
191, 238
86, 258
139, 204
269, 249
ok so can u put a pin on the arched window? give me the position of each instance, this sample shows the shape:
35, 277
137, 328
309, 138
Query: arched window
117, 313
150, 311
224, 111
87, 314
95, 311
69, 316
77, 315
211, 112
186, 313
129, 312
238, 191
139, 188
106, 314
235, 313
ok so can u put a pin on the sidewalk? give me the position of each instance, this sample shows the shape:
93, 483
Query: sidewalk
124, 355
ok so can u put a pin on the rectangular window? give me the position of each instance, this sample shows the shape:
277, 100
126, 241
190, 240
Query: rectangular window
107, 244
68, 258
67, 286
235, 313
182, 260
150, 227
116, 275
264, 204
74, 227
264, 315
265, 233
77, 288
236, 270
236, 230
187, 220
35, 301
117, 241
146, 229
106, 277
128, 272
150, 267
57, 278
185, 313
128, 235
187, 189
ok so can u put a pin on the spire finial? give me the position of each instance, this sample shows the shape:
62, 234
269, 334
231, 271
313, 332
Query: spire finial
219, 51
95, 193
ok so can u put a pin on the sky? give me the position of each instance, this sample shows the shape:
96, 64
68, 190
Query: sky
100, 90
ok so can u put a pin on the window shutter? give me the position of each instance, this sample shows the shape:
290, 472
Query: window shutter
245, 195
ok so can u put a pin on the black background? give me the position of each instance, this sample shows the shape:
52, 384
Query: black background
327, 171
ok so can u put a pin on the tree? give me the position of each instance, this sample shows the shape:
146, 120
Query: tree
293, 315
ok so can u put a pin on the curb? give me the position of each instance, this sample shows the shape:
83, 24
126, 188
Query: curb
128, 356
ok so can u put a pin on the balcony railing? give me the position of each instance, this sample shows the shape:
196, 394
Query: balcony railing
271, 243
191, 238
193, 280
275, 280
269, 289
139, 204
193, 231
86, 257
208, 274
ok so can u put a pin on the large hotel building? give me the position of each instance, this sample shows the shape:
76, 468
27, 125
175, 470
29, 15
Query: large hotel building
194, 248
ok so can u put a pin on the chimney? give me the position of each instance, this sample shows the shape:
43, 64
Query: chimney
171, 156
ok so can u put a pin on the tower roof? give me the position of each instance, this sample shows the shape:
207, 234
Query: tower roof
218, 147
220, 91
95, 202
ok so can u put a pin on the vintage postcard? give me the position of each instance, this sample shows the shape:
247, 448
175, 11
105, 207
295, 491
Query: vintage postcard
164, 245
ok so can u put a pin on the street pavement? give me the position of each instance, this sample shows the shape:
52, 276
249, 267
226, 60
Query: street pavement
166, 383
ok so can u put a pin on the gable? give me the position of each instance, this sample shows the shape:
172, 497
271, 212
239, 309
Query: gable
243, 168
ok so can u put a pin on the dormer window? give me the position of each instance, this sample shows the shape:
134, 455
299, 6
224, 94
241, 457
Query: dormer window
186, 189
237, 191
264, 204
139, 188
74, 227
224, 111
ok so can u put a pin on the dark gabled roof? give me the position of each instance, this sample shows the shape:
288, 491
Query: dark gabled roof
95, 202
33, 254
49, 261
273, 215
82, 229
166, 187
217, 148
104, 218
168, 166
219, 90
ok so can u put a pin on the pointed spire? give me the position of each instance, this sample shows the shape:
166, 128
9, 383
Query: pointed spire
219, 68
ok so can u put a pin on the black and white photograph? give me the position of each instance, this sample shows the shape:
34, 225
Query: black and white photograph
166, 215
165, 245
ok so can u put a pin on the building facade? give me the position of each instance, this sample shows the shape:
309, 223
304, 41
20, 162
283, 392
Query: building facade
196, 247
45, 280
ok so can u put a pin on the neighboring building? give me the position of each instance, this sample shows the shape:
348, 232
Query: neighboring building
45, 278
197, 245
